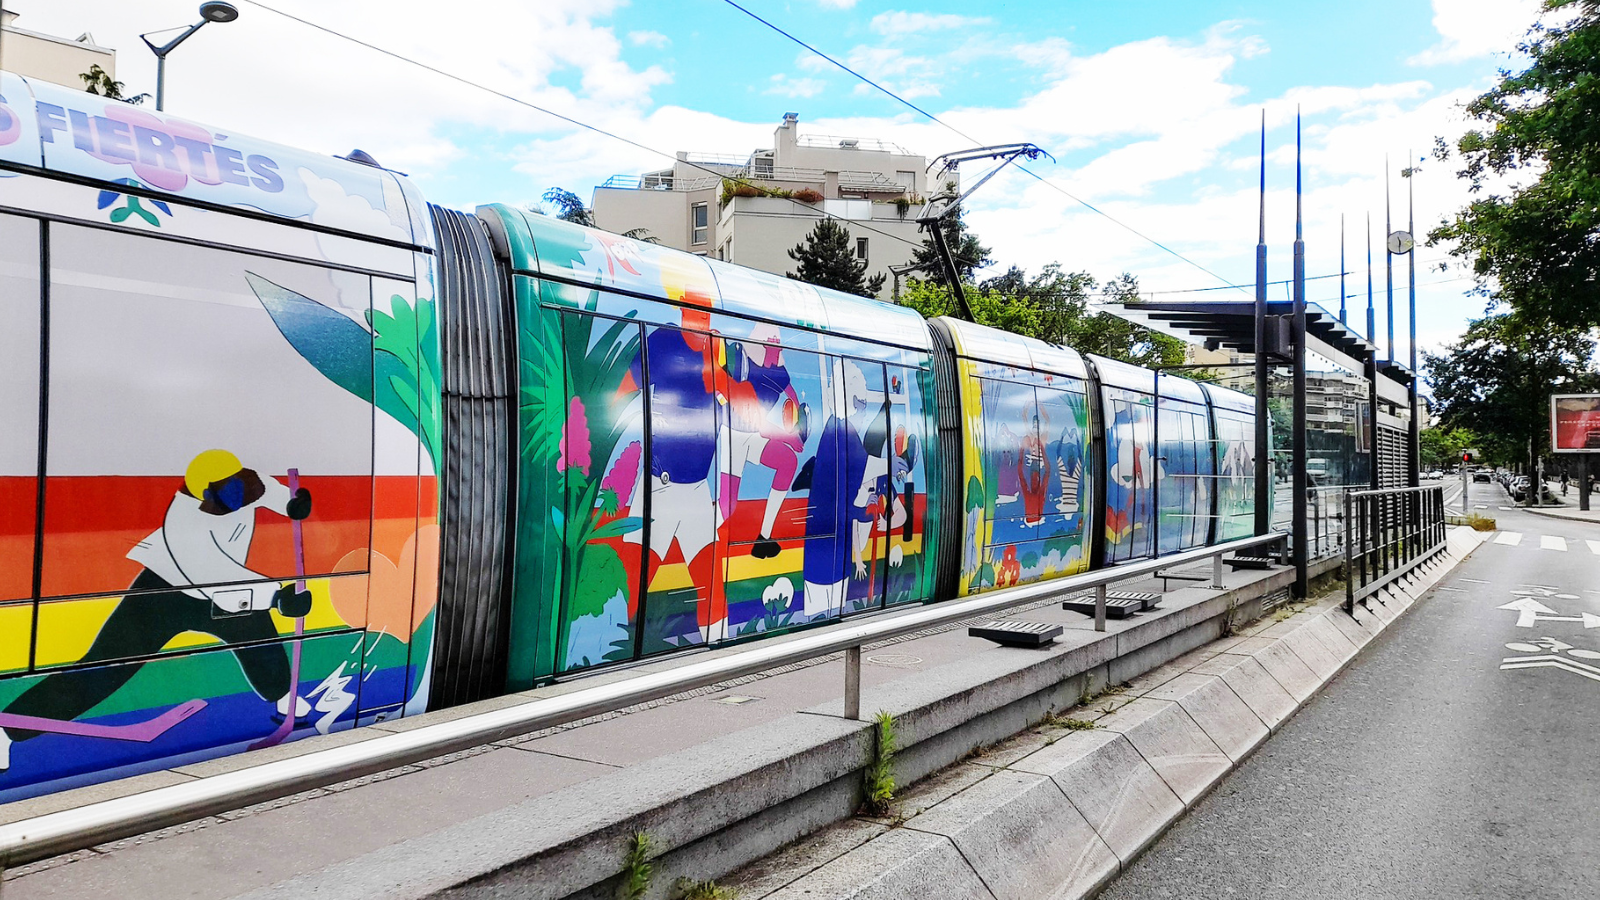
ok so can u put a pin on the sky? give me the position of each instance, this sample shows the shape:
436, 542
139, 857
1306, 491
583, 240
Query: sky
1151, 110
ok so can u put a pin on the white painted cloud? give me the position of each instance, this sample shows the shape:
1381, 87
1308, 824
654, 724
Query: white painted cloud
648, 39
1474, 28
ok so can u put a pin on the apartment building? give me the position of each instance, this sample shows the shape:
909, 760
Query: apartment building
49, 58
753, 209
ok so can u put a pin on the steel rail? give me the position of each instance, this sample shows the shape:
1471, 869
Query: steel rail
67, 831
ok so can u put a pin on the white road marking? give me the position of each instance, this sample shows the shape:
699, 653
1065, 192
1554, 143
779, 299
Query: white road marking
1504, 507
1529, 611
1509, 537
1454, 590
1472, 581
1594, 547
1550, 662
1552, 542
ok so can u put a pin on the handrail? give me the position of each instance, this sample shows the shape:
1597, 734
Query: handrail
109, 820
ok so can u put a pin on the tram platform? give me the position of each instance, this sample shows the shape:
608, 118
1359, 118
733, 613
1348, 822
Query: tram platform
717, 776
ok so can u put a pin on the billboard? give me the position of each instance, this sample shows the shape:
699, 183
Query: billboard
1575, 423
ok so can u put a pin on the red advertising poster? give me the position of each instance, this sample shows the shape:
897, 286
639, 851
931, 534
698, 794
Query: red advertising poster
1575, 423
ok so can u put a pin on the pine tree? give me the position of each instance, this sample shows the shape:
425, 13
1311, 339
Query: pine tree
827, 260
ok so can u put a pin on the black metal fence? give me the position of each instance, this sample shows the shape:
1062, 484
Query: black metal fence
1390, 532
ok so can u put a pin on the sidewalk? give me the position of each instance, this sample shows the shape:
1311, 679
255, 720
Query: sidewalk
563, 801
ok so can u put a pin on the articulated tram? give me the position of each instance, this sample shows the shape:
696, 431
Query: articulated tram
287, 450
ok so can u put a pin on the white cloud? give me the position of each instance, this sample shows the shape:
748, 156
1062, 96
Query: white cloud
896, 22
784, 86
648, 39
1474, 28
838, 4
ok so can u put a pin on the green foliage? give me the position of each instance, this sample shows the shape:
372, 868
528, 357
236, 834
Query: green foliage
827, 259
1498, 378
1441, 446
569, 207
1533, 247
641, 234
687, 889
636, 867
732, 189
1053, 306
878, 783
970, 255
99, 81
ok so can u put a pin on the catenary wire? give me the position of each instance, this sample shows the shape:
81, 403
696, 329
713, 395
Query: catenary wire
1032, 174
568, 119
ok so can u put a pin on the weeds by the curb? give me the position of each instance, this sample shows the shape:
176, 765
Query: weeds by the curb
636, 867
879, 778
687, 889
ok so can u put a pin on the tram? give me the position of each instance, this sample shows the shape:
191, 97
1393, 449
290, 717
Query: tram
288, 450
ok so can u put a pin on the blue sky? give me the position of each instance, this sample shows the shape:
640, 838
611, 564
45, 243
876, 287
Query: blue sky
1150, 108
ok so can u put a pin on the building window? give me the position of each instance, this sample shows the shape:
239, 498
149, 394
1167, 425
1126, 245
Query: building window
907, 180
861, 248
701, 221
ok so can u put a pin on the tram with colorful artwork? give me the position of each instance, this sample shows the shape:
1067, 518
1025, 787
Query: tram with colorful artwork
287, 450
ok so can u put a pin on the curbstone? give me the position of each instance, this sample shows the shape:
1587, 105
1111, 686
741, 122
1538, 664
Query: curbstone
1317, 657
1259, 690
902, 863
1289, 671
1332, 638
1219, 712
1023, 838
1349, 627
1112, 787
1170, 741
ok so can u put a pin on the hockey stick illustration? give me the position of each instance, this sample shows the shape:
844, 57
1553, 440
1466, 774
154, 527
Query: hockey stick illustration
143, 732
289, 715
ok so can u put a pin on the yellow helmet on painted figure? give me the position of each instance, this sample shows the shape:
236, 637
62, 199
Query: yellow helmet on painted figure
207, 469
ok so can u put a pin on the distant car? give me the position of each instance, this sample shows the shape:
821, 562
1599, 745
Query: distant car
1481, 478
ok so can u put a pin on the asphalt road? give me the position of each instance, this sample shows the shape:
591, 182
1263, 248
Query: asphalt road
1425, 769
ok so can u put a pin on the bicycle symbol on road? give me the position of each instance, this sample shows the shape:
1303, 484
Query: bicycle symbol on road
1549, 652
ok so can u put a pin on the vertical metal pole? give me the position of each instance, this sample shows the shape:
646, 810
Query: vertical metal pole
1341, 270
1583, 482
852, 683
1466, 480
1414, 452
161, 81
1349, 557
1100, 607
1216, 572
1372, 320
1299, 476
1388, 257
1263, 505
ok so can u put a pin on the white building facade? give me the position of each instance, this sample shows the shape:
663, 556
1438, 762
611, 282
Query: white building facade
752, 210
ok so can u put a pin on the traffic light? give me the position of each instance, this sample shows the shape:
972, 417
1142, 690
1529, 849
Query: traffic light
1467, 456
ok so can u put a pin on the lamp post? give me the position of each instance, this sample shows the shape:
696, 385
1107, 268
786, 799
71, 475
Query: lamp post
211, 11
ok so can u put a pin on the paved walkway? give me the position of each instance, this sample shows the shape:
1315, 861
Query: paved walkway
261, 846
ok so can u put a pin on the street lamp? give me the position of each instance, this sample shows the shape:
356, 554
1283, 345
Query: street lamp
211, 11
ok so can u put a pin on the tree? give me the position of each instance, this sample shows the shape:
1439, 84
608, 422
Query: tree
1497, 381
641, 234
569, 207
1535, 246
1054, 306
969, 254
98, 81
1440, 446
827, 260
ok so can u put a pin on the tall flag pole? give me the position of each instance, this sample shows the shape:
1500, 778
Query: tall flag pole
1341, 271
1411, 266
1263, 445
1388, 255
1302, 485
1372, 319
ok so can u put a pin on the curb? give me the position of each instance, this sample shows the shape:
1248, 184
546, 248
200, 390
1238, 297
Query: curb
1060, 815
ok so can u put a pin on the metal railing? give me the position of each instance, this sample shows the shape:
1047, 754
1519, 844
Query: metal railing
1390, 532
64, 832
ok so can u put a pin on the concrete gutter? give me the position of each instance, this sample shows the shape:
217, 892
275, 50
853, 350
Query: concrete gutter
1058, 813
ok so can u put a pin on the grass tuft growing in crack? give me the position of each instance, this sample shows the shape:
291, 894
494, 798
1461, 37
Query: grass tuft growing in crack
878, 782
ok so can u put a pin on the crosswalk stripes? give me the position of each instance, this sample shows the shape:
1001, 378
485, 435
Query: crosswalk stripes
1546, 542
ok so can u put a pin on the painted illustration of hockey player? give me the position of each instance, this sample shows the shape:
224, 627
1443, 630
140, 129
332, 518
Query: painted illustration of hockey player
842, 485
194, 580
1031, 469
768, 427
682, 390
